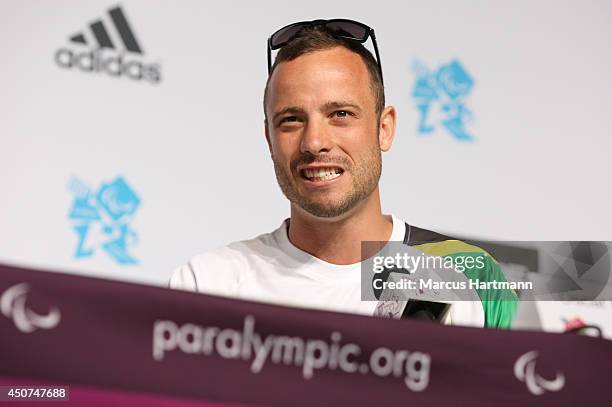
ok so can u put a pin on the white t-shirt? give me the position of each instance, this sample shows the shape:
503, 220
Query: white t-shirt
269, 268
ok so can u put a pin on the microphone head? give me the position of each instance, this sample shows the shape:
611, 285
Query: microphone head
423, 315
426, 310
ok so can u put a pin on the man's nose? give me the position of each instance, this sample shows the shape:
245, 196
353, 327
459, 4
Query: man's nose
315, 139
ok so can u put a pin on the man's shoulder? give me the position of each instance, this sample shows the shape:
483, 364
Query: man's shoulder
217, 271
477, 264
438, 244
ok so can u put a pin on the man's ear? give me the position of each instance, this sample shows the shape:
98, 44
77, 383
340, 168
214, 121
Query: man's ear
386, 130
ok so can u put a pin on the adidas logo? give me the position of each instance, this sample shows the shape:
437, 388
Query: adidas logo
114, 50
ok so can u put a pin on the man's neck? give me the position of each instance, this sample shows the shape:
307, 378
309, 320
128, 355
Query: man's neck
338, 240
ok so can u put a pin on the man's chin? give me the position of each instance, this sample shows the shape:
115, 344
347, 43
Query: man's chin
326, 210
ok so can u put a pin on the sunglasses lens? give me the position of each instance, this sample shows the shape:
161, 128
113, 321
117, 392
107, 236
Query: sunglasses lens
284, 35
348, 29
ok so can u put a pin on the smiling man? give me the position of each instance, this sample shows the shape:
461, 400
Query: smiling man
326, 126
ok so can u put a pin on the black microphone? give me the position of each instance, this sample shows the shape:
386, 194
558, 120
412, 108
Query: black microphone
426, 310
413, 309
399, 304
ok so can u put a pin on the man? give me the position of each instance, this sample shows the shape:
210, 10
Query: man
326, 124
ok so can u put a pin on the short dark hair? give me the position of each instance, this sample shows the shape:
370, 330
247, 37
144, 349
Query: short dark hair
316, 39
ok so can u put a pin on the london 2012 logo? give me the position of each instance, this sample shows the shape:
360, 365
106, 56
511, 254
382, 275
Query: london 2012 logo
101, 219
441, 99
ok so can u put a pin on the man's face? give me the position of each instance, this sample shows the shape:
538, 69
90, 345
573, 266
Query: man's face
323, 131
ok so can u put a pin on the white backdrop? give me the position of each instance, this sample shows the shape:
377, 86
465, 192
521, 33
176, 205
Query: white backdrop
192, 149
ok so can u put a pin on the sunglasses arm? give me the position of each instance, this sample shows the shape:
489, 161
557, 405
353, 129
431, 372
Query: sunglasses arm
377, 56
269, 56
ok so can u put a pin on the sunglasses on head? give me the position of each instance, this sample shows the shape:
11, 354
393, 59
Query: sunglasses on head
339, 28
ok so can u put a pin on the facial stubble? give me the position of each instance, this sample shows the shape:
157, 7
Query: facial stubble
365, 175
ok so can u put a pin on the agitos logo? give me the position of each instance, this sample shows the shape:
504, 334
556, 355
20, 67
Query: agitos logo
113, 50
13, 306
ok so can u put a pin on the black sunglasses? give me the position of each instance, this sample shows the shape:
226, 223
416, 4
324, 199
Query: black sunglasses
339, 28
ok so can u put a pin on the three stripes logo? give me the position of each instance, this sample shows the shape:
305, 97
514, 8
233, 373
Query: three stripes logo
113, 50
103, 38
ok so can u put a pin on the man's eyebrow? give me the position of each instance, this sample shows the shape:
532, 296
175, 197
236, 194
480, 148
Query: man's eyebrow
290, 109
332, 105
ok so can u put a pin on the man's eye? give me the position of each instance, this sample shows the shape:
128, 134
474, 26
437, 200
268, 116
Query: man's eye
341, 113
289, 119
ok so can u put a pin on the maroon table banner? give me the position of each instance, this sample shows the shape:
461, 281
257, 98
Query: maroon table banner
141, 343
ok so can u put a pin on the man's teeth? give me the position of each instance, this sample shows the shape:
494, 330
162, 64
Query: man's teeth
322, 174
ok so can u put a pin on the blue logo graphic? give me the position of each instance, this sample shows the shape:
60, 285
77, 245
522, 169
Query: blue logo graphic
440, 97
101, 219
